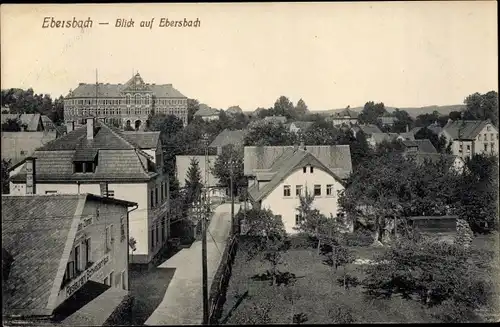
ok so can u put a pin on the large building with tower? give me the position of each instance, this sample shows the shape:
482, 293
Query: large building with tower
124, 105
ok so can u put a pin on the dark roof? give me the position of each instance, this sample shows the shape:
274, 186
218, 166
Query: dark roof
389, 137
465, 129
117, 90
119, 158
35, 231
227, 137
336, 157
145, 140
345, 113
369, 129
434, 127
423, 145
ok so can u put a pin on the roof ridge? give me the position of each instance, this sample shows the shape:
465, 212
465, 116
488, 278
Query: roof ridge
133, 146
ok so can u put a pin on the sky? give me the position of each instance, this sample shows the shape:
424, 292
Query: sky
405, 54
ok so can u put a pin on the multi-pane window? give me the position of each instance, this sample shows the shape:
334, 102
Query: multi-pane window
298, 190
317, 190
329, 189
286, 190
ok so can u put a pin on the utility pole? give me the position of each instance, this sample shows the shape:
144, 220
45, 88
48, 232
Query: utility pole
233, 224
204, 218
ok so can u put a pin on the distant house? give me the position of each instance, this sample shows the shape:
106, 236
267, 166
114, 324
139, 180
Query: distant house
346, 116
183, 162
469, 137
278, 175
29, 122
68, 253
455, 163
387, 120
367, 129
434, 127
279, 119
16, 146
101, 159
228, 137
300, 126
377, 138
423, 146
206, 113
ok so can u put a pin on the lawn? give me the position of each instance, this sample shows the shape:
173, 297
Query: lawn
316, 292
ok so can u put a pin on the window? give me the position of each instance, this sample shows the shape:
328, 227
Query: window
317, 190
77, 258
298, 190
485, 146
152, 239
124, 280
122, 229
304, 169
488, 128
468, 148
163, 230
108, 238
162, 195
156, 195
111, 275
137, 99
312, 169
70, 271
88, 252
492, 147
286, 190
78, 167
50, 192
329, 189
492, 137
22, 152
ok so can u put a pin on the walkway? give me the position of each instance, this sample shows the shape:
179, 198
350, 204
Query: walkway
182, 303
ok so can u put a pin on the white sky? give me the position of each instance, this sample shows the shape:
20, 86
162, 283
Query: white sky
330, 54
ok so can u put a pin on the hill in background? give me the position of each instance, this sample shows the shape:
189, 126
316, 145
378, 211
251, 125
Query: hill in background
412, 111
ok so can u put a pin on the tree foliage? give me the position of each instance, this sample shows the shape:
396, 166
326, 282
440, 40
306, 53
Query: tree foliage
371, 112
12, 125
482, 107
269, 133
26, 101
403, 123
193, 182
439, 142
230, 161
5, 175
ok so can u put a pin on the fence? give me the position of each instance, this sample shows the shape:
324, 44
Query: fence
218, 290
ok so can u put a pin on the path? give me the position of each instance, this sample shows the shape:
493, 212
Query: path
182, 303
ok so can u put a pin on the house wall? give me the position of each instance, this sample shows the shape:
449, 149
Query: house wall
106, 255
156, 203
210, 118
340, 121
286, 206
486, 141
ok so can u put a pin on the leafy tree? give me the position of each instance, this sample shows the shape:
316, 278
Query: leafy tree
301, 108
12, 125
193, 182
429, 272
269, 133
360, 150
230, 161
455, 115
404, 121
192, 106
482, 106
5, 175
234, 110
283, 107
427, 119
341, 315
371, 112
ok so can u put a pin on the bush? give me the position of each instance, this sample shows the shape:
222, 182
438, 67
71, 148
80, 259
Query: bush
302, 241
341, 315
360, 237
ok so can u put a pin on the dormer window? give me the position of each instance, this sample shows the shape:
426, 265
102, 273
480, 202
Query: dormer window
84, 166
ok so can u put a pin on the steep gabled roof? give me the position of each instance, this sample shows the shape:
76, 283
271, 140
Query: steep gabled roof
465, 129
205, 111
228, 137
345, 113
336, 157
289, 161
369, 129
144, 140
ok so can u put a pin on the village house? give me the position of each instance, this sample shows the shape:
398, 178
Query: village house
228, 137
367, 129
100, 159
206, 113
278, 175
346, 116
387, 120
67, 258
421, 146
434, 127
470, 137
299, 126
277, 119
377, 138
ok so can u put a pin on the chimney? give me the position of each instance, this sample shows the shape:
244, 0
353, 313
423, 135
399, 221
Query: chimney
407, 128
90, 128
30, 176
70, 126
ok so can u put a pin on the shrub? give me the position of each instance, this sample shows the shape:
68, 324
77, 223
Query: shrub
360, 237
341, 315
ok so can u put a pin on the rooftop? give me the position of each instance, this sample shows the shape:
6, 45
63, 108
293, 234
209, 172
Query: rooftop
205, 110
31, 121
227, 137
465, 129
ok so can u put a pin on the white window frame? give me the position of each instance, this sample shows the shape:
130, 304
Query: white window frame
316, 188
329, 190
285, 189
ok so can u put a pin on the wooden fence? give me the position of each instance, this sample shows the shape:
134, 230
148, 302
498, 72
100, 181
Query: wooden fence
217, 296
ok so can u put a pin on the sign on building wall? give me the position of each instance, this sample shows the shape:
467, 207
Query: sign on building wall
85, 276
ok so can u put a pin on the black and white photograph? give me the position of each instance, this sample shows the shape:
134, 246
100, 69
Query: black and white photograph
250, 163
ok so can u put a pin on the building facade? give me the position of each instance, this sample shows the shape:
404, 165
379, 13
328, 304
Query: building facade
123, 105
470, 137
102, 160
346, 116
279, 175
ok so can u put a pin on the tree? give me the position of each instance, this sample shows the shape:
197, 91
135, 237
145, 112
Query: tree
439, 142
429, 272
193, 182
482, 107
301, 108
234, 110
230, 161
283, 107
12, 125
371, 112
404, 121
192, 106
6, 164
269, 133
427, 119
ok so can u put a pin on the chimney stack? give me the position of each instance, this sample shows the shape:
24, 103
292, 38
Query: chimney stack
30, 176
70, 126
90, 128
